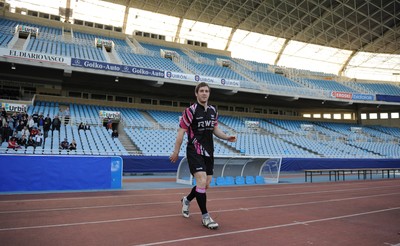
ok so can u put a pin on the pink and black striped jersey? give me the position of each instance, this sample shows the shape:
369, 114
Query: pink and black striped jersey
199, 123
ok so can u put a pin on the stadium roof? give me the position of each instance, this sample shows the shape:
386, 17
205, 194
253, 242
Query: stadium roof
354, 38
357, 25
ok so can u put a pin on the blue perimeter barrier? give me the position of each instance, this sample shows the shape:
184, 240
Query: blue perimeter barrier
299, 164
55, 173
149, 164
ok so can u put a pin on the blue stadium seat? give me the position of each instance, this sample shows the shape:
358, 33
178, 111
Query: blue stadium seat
220, 181
239, 180
229, 180
260, 180
250, 180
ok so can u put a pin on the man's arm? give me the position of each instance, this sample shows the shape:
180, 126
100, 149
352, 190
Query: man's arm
220, 134
179, 139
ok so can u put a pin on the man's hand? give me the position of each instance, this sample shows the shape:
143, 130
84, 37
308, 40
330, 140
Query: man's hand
231, 139
174, 157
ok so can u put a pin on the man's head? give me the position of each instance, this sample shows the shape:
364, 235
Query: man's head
202, 92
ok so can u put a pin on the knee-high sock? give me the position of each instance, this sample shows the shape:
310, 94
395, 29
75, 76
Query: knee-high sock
201, 198
192, 194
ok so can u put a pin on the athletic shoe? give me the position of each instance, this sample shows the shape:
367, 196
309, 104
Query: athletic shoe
185, 207
209, 223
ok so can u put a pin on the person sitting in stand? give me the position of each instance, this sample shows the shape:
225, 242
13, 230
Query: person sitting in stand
31, 142
47, 124
34, 131
64, 144
109, 124
22, 141
72, 145
25, 131
39, 138
56, 123
81, 126
66, 116
114, 134
12, 143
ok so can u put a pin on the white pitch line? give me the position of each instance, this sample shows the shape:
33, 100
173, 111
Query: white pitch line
173, 215
265, 187
271, 227
173, 202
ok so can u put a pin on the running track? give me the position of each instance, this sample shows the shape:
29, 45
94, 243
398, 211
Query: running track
341, 213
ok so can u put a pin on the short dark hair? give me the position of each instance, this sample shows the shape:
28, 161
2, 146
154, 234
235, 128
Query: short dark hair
201, 84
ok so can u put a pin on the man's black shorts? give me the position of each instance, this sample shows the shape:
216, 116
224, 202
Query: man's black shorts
199, 163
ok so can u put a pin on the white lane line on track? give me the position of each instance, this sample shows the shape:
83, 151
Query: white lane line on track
243, 188
174, 202
173, 215
272, 227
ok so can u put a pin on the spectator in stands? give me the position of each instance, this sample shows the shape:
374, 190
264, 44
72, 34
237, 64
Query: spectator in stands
72, 145
64, 144
34, 131
10, 122
25, 131
39, 138
31, 142
24, 118
81, 126
46, 126
12, 144
16, 135
15, 119
3, 120
22, 141
114, 134
87, 127
201, 121
31, 123
35, 117
3, 112
41, 122
20, 125
66, 115
56, 124
109, 124
7, 132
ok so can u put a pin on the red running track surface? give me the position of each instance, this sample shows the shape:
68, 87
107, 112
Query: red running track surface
341, 213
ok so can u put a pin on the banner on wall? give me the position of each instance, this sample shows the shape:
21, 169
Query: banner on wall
341, 95
14, 107
252, 124
36, 56
352, 96
363, 97
75, 62
112, 115
24, 29
199, 78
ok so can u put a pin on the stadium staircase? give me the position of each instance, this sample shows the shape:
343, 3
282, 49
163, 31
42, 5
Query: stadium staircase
241, 70
135, 45
223, 142
113, 57
19, 44
67, 35
265, 131
150, 119
130, 147
367, 150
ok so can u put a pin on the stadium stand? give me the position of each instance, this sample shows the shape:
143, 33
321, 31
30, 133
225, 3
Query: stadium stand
145, 128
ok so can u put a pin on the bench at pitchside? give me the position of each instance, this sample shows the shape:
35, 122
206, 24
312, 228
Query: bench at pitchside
340, 174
